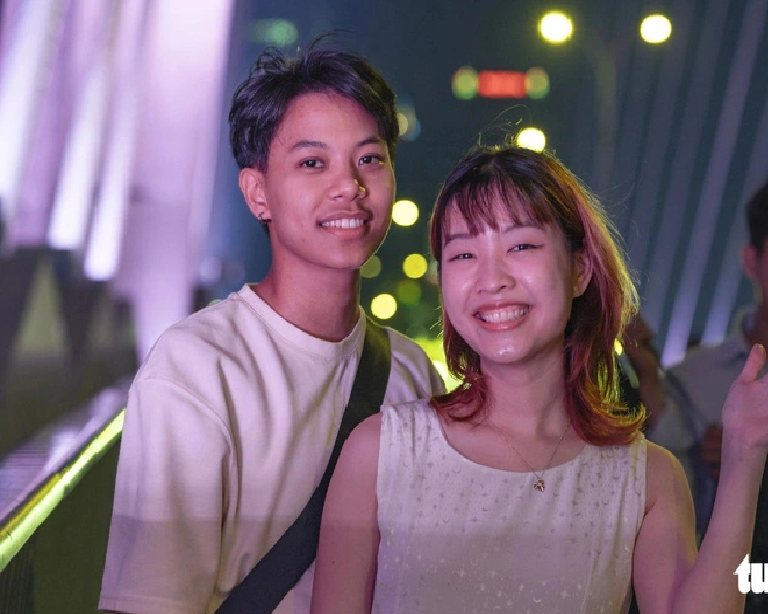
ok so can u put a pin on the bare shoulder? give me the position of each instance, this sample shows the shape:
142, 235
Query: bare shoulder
366, 433
360, 453
665, 476
661, 459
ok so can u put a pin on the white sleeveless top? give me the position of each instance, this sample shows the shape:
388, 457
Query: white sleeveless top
458, 537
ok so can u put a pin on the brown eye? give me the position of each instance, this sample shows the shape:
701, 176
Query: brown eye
371, 159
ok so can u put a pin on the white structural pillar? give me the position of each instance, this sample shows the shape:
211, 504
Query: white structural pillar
177, 122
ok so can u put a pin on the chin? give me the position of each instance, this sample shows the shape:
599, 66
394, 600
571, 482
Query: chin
503, 355
351, 263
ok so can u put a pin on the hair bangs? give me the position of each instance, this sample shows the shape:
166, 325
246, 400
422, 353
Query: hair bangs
488, 198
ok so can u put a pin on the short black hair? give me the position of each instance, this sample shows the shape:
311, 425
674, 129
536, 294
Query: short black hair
757, 218
260, 102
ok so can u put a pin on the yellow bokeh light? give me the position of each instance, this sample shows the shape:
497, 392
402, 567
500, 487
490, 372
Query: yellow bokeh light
556, 27
531, 138
384, 306
371, 268
415, 266
402, 123
405, 213
433, 347
655, 29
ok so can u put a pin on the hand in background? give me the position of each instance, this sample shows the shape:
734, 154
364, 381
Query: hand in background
745, 413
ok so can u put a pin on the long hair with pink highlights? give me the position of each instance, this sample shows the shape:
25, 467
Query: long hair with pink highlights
538, 187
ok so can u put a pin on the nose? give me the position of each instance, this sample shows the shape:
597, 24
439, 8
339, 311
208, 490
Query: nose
494, 276
348, 186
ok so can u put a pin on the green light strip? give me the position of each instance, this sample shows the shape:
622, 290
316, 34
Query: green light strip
15, 533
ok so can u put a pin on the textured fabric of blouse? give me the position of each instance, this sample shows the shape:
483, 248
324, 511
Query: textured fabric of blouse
458, 537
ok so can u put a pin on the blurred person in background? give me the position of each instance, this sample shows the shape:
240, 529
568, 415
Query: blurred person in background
685, 402
231, 420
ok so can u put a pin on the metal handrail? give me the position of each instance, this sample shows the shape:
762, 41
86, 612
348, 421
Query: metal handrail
37, 476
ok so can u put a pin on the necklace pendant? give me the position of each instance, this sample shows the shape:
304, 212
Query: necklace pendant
539, 485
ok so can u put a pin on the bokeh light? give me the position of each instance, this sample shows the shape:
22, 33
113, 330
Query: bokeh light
409, 124
372, 268
655, 29
415, 266
465, 83
277, 32
384, 306
405, 213
536, 82
433, 347
531, 138
556, 27
402, 123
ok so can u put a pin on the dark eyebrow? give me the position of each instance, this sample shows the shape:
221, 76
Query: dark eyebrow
371, 140
305, 143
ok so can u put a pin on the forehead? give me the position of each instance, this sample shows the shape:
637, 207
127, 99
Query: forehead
495, 211
324, 114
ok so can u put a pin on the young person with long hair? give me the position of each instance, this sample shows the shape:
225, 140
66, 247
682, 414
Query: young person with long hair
529, 488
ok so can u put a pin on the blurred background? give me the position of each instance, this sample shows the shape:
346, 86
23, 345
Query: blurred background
119, 207
120, 212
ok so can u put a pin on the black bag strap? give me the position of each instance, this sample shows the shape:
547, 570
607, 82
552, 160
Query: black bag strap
265, 586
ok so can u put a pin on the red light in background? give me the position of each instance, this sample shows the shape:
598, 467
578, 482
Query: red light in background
501, 84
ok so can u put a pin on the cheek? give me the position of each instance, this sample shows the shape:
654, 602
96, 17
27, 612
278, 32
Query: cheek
452, 302
382, 182
449, 302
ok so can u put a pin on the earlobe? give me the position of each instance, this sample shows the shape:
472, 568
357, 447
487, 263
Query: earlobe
251, 182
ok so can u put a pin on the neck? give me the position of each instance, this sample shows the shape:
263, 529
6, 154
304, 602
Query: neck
323, 303
528, 401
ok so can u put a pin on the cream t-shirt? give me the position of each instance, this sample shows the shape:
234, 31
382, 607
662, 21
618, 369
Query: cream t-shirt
229, 427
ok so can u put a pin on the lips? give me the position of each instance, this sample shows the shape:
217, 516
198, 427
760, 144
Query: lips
502, 315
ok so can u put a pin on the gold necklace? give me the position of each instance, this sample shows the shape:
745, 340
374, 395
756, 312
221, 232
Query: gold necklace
539, 483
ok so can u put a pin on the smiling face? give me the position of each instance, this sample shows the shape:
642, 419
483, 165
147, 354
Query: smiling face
328, 188
508, 290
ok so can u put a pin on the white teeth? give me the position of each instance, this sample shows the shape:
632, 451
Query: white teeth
503, 315
343, 223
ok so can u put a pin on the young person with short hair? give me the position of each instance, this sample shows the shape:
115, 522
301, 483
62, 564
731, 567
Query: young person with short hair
231, 420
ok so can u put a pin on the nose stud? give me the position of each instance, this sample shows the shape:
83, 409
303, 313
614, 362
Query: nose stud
361, 189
